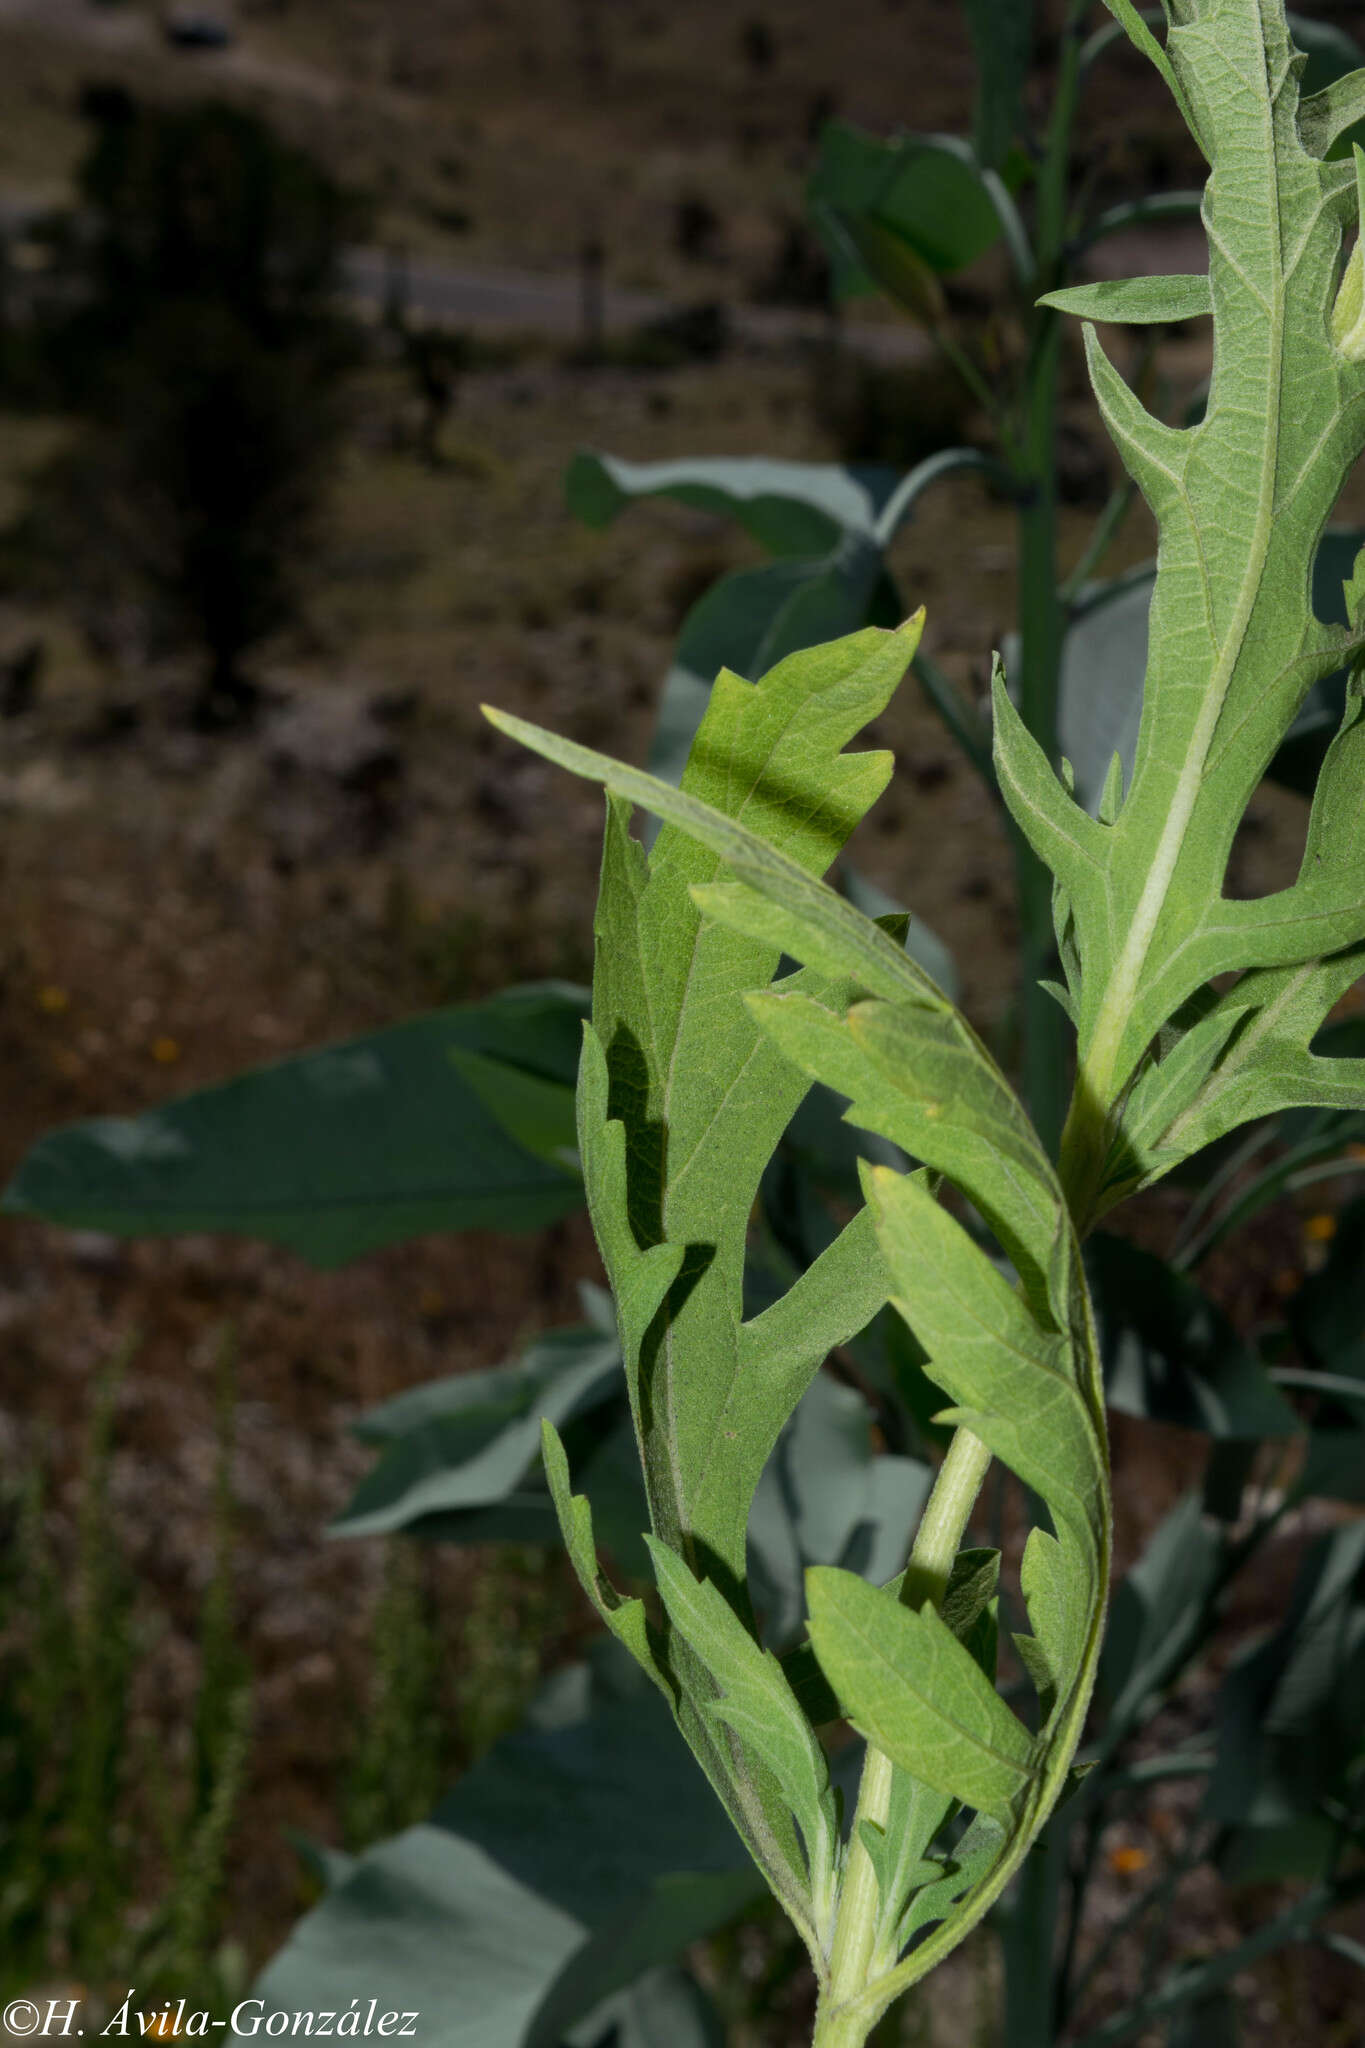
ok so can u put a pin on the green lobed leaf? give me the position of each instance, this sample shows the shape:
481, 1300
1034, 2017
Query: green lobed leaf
681, 1103
756, 1702
751, 619
921, 1079
828, 525
909, 1686
1241, 499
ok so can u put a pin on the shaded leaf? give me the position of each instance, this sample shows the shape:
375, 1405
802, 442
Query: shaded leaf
1002, 43
468, 1441
575, 1855
1171, 1354
928, 191
336, 1152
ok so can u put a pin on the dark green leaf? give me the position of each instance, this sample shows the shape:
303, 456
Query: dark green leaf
790, 508
333, 1153
927, 191
1002, 42
1156, 1615
909, 1686
1291, 1719
1170, 1353
752, 619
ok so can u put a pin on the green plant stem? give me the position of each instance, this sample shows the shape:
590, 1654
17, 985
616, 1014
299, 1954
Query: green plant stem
941, 1530
1116, 510
960, 718
1042, 628
1042, 610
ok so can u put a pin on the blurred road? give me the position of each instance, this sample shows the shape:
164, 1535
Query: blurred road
125, 28
529, 302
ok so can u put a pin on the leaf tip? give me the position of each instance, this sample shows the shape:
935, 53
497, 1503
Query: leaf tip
911, 630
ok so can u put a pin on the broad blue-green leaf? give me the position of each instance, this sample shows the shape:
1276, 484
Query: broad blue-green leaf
827, 524
579, 1853
468, 1441
752, 619
790, 508
827, 1497
929, 191
665, 2009
333, 1153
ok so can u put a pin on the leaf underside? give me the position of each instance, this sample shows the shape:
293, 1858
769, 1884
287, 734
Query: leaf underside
1241, 500
1194, 1011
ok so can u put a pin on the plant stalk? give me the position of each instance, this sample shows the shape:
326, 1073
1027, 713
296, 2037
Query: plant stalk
1042, 609
853, 1957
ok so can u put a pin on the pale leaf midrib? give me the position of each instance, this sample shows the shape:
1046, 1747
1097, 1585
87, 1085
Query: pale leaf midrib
1119, 998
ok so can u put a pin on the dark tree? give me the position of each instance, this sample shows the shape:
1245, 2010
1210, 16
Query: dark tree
207, 203
204, 344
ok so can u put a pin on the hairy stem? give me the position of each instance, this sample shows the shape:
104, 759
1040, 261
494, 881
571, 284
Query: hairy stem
838, 2023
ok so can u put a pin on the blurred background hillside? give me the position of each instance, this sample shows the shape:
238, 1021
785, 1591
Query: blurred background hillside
304, 307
